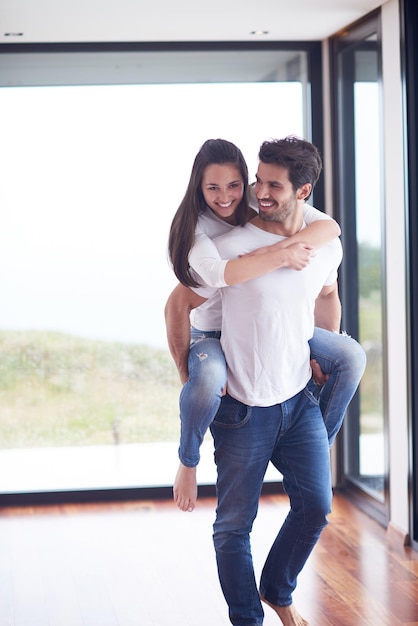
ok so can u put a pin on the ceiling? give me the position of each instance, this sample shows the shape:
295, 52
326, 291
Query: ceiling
49, 21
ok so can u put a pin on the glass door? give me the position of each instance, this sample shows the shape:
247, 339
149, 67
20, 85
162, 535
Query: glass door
358, 119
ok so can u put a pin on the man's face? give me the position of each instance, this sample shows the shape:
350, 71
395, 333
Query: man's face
277, 200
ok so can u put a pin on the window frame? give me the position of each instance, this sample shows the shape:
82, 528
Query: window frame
44, 55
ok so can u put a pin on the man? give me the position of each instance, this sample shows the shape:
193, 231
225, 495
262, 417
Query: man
270, 412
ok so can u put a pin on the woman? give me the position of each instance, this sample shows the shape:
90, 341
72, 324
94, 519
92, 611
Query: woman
216, 200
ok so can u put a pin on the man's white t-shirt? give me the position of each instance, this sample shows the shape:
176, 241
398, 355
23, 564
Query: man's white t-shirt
268, 321
209, 266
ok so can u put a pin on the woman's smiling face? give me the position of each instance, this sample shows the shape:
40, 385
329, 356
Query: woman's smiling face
222, 188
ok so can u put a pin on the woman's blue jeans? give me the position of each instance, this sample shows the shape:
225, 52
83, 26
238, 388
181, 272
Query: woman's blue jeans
343, 358
201, 395
339, 355
291, 435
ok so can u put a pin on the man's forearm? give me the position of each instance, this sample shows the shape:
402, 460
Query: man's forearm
178, 338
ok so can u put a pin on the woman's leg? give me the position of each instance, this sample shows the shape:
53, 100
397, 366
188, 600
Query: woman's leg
199, 401
344, 360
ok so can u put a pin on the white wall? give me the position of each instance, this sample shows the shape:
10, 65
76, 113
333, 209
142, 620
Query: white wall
395, 212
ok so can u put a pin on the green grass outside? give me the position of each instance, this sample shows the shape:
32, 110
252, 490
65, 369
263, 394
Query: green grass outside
371, 387
62, 390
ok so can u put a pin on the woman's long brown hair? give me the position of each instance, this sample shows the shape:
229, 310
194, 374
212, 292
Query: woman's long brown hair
183, 226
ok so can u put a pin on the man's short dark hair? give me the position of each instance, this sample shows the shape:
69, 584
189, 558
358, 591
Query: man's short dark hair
300, 157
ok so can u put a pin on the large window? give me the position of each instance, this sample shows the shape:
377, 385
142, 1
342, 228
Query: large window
97, 151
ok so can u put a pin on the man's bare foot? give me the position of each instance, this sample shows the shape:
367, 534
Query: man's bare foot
288, 614
185, 488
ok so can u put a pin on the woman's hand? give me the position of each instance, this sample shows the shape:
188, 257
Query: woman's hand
296, 256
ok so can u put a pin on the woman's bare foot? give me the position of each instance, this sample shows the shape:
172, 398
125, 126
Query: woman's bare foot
288, 614
185, 488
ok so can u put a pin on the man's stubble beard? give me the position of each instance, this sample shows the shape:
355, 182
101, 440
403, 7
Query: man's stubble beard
279, 216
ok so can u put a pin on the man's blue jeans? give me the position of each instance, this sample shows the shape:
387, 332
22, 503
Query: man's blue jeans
340, 356
291, 435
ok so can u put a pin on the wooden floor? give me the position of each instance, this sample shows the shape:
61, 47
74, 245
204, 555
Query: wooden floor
148, 564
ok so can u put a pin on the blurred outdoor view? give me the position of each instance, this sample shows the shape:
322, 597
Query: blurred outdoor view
370, 226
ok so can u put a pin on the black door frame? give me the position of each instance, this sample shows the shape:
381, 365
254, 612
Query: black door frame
409, 57
343, 147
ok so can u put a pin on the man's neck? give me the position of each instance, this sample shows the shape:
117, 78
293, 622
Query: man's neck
284, 229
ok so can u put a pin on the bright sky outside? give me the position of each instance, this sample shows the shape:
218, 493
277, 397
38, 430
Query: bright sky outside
368, 151
90, 180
